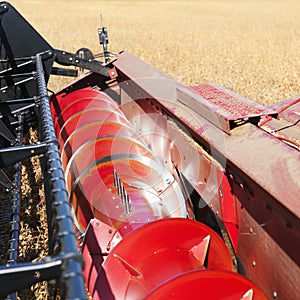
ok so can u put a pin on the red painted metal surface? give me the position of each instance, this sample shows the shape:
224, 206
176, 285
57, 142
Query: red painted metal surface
128, 204
165, 259
86, 116
156, 253
286, 127
261, 169
212, 284
228, 211
231, 105
291, 112
61, 101
100, 146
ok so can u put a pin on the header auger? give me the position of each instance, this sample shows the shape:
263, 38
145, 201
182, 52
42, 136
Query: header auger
153, 190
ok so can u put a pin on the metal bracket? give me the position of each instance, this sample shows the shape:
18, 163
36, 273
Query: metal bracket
11, 108
71, 59
20, 276
6, 133
3, 8
12, 155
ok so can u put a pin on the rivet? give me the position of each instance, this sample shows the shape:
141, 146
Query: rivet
158, 189
254, 263
289, 224
275, 295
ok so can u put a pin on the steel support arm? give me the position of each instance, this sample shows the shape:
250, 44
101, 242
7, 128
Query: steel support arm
71, 59
20, 276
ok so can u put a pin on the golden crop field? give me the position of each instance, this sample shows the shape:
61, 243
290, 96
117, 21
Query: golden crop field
249, 46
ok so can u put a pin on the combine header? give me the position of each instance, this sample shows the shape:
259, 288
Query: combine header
153, 190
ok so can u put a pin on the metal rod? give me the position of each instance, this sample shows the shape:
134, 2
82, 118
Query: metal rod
14, 101
18, 66
17, 83
17, 75
127, 205
23, 275
72, 286
115, 178
119, 185
13, 251
122, 193
2, 61
23, 108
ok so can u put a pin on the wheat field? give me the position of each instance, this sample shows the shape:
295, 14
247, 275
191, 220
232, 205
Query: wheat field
249, 46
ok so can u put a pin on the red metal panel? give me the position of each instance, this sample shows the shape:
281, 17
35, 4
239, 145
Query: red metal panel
263, 172
265, 262
57, 103
284, 131
231, 106
292, 113
219, 106
85, 116
165, 245
242, 149
96, 149
289, 110
212, 284
97, 244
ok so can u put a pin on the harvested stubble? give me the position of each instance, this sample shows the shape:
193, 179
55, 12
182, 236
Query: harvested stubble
251, 47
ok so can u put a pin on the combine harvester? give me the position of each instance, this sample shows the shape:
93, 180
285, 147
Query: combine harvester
176, 192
